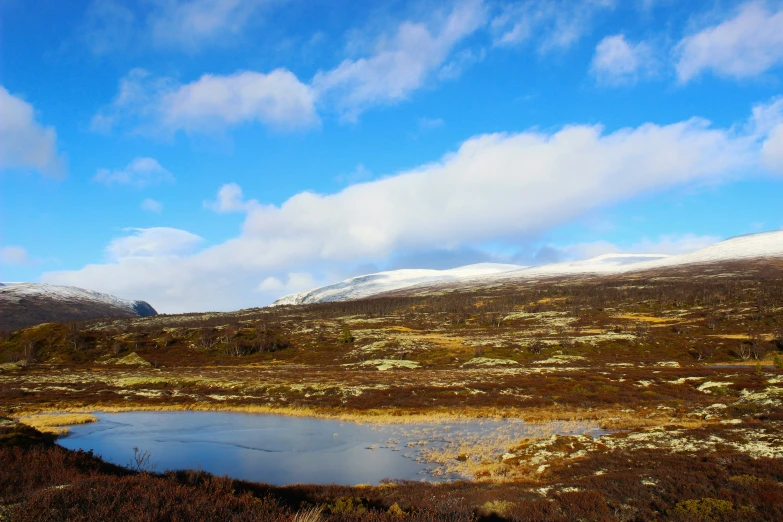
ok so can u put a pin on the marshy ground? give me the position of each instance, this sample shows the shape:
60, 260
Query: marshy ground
683, 366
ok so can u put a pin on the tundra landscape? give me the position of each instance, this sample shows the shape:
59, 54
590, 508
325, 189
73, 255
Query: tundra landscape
681, 367
435, 260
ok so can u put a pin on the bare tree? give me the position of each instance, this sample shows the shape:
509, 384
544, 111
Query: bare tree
758, 348
743, 351
206, 339
702, 351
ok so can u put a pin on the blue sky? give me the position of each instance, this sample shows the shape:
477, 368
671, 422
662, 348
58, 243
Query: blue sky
217, 154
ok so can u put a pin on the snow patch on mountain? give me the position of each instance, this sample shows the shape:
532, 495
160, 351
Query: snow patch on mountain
368, 285
604, 264
72, 294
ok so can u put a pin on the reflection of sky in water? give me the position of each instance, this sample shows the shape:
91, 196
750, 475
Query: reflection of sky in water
273, 448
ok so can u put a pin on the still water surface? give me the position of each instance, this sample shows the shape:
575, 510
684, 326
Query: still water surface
285, 450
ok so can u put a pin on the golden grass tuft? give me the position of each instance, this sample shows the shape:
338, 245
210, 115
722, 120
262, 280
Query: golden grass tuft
56, 423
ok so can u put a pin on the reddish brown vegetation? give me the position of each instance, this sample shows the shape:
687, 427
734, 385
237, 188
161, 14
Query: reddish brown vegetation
39, 481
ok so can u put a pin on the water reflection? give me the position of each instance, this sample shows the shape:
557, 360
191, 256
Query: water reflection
285, 450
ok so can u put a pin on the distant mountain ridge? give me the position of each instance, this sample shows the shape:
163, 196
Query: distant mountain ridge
26, 304
750, 246
371, 284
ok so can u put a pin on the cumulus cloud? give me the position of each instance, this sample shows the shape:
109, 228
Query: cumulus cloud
553, 25
25, 143
503, 183
494, 187
212, 103
157, 242
14, 255
295, 282
230, 199
151, 205
617, 61
141, 172
745, 45
400, 64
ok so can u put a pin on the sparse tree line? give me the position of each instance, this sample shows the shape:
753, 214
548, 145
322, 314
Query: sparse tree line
756, 299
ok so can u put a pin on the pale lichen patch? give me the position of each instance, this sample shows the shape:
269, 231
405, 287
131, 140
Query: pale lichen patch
488, 361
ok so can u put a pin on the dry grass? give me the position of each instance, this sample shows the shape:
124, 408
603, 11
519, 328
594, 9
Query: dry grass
606, 418
745, 337
56, 423
384, 416
309, 515
645, 318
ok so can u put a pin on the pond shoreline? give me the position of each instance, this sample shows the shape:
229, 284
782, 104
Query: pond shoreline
283, 449
613, 419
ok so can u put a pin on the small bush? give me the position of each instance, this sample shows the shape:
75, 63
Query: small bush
347, 506
704, 509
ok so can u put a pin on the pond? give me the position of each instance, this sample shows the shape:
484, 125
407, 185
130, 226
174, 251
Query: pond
281, 450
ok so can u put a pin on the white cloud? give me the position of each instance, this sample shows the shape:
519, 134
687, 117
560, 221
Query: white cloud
554, 24
746, 45
230, 199
767, 124
278, 99
400, 64
616, 61
766, 116
14, 255
297, 282
155, 243
141, 172
506, 184
415, 54
150, 205
495, 187
24, 143
211, 103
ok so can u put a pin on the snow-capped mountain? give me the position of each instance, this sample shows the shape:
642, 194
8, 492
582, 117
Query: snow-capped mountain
604, 264
751, 246
372, 284
24, 304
